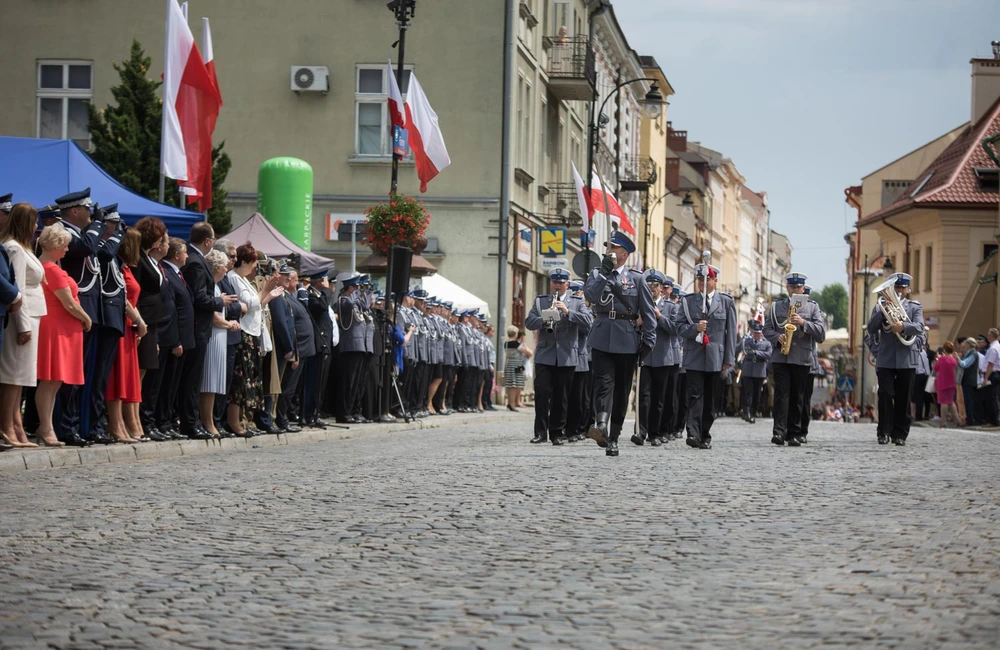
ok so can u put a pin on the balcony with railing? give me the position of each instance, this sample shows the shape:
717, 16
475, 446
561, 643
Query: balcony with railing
637, 173
572, 71
560, 205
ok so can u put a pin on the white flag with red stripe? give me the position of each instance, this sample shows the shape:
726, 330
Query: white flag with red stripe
425, 138
395, 100
191, 102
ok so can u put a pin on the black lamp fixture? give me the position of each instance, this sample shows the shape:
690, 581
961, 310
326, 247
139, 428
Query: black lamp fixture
887, 266
652, 105
687, 201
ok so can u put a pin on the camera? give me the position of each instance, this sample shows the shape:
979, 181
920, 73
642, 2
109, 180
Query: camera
267, 267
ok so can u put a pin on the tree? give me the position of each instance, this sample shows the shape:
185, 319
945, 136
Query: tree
219, 215
833, 300
126, 140
126, 137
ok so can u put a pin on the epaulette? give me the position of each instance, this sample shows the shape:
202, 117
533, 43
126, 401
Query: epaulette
916, 302
723, 293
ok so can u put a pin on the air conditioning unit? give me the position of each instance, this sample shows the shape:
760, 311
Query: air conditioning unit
310, 78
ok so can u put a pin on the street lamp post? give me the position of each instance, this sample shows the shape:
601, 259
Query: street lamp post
686, 203
652, 107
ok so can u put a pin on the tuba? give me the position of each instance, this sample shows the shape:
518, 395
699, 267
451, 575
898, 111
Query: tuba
789, 328
892, 309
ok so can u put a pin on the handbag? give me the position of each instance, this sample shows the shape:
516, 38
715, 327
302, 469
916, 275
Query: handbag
931, 384
529, 370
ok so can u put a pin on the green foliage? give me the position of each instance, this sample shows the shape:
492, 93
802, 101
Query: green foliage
833, 301
400, 222
126, 137
220, 216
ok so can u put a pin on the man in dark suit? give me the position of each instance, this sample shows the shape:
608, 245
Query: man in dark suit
81, 263
176, 339
305, 347
233, 337
198, 277
283, 329
318, 367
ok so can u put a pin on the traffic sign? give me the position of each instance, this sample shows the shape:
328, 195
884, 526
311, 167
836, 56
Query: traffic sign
845, 384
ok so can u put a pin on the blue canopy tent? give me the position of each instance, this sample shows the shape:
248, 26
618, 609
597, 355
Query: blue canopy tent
38, 171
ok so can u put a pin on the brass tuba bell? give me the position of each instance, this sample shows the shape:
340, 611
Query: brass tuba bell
888, 301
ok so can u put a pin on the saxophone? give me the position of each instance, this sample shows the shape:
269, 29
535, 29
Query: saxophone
789, 328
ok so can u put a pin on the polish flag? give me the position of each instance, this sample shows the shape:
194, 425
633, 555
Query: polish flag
206, 41
191, 104
395, 100
598, 194
425, 139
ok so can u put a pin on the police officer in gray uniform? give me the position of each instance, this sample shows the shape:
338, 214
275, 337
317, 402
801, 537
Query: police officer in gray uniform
707, 324
679, 419
352, 343
558, 320
756, 355
791, 372
655, 368
623, 334
581, 407
896, 363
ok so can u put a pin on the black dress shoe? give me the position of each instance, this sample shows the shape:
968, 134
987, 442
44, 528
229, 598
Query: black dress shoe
656, 441
752, 420
778, 440
883, 440
638, 439
612, 448
5, 446
693, 442
75, 440
705, 444
293, 428
102, 439
794, 442
899, 442
156, 436
558, 441
537, 439
201, 434
802, 440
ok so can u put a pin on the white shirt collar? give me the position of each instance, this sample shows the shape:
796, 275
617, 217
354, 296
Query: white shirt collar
621, 270
173, 266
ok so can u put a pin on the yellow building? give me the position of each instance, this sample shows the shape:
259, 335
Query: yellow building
653, 153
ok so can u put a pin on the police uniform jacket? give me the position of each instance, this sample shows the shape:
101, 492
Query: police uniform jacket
112, 283
561, 346
80, 263
436, 350
352, 325
283, 325
583, 350
804, 339
756, 355
889, 351
364, 301
420, 336
816, 369
456, 338
404, 318
318, 305
664, 353
721, 347
614, 329
448, 344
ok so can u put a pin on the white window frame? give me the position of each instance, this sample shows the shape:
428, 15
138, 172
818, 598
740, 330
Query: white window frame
382, 99
64, 93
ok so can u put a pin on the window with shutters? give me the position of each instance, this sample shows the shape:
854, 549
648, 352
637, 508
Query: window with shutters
371, 101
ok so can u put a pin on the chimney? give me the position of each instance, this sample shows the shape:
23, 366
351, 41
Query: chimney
677, 141
985, 82
672, 174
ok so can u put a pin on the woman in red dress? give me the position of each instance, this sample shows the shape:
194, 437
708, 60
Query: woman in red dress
60, 332
124, 392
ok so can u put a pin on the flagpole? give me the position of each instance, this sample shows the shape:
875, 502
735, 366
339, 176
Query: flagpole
403, 10
167, 78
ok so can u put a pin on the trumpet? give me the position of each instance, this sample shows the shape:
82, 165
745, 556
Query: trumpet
888, 302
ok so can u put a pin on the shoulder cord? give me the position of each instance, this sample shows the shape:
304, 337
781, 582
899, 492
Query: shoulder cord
351, 320
119, 279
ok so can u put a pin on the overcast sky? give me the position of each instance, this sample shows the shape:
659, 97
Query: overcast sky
808, 96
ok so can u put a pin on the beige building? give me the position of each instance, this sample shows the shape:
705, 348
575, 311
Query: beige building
938, 220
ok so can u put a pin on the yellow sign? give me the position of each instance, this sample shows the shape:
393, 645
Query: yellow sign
552, 241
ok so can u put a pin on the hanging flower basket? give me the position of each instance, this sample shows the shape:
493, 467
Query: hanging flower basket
400, 222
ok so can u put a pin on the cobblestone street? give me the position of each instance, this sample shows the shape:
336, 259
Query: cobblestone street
466, 538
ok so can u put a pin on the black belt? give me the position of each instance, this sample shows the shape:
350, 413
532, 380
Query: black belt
611, 315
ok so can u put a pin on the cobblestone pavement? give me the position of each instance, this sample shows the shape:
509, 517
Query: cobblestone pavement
475, 539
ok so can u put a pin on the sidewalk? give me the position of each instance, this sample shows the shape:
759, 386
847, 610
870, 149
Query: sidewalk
49, 457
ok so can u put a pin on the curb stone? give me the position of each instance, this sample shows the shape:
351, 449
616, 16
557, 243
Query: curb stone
52, 458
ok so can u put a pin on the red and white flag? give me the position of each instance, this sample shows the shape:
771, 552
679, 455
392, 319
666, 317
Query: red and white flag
395, 100
425, 138
592, 205
191, 103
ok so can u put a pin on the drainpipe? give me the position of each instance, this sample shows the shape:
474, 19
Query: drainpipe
666, 249
906, 254
505, 176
